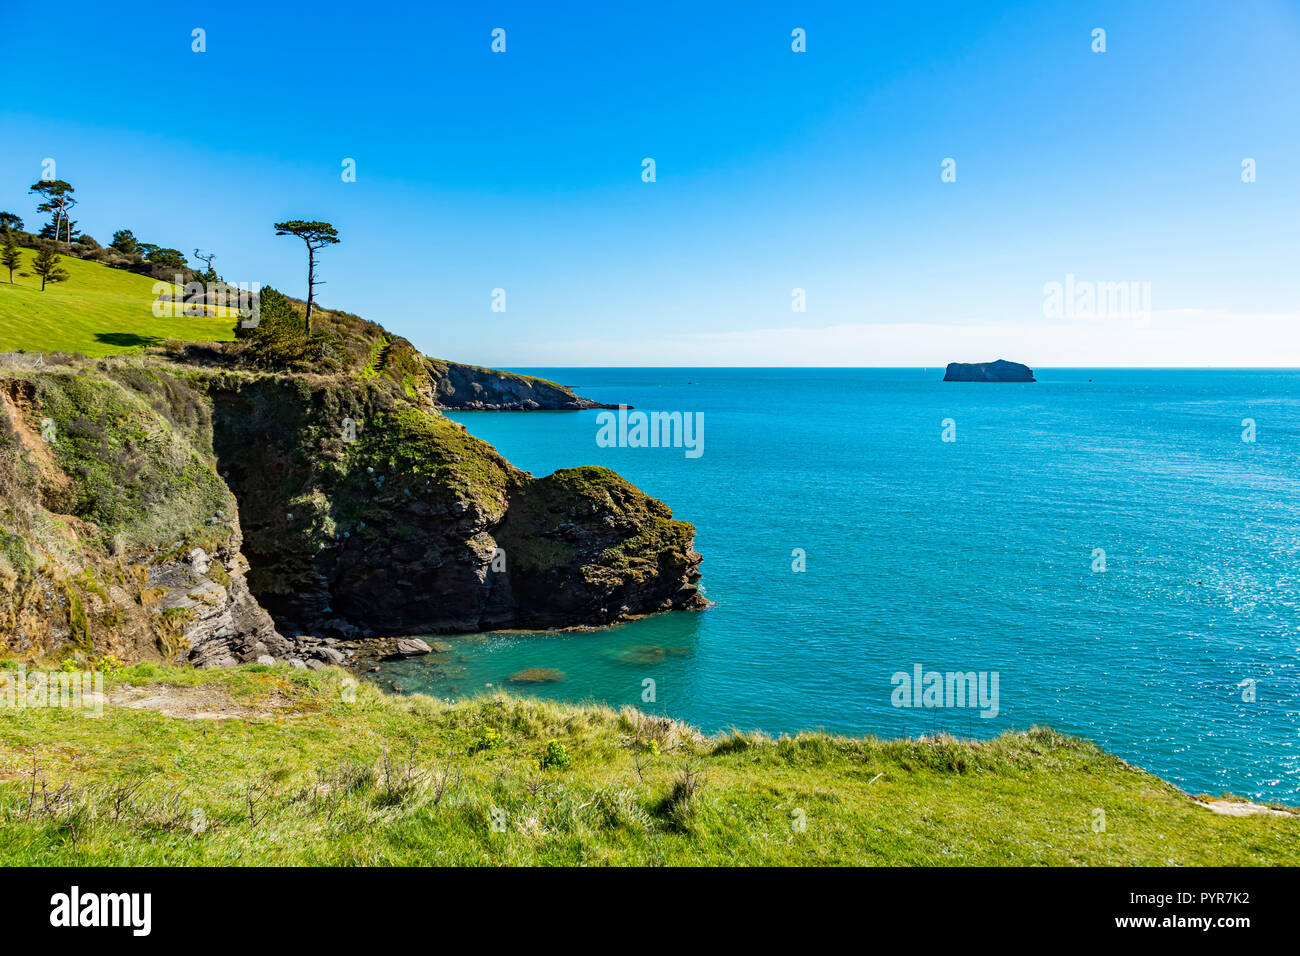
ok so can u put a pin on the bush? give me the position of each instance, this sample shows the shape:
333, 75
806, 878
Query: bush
555, 755
489, 740
280, 342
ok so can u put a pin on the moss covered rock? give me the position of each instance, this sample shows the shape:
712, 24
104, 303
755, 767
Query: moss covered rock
362, 506
586, 546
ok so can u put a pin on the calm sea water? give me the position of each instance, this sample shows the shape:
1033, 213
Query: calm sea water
971, 555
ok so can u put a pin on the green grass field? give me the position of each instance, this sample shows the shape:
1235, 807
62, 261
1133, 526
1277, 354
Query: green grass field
262, 765
97, 311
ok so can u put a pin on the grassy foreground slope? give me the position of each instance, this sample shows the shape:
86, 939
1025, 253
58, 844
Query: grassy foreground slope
98, 311
265, 765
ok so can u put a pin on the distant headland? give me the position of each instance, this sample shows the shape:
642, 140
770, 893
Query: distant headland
999, 371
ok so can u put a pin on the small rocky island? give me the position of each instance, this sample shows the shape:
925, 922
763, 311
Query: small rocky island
999, 371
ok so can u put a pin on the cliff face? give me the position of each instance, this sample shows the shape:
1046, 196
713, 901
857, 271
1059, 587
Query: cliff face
155, 510
999, 371
486, 389
116, 535
362, 509
588, 546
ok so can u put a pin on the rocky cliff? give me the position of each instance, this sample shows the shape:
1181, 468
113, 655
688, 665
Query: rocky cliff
470, 387
362, 509
116, 535
162, 506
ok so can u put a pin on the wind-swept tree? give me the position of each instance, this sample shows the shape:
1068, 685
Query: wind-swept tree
210, 274
46, 265
317, 235
9, 257
10, 223
58, 200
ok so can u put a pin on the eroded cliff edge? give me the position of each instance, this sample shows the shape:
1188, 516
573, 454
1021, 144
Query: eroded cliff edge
161, 506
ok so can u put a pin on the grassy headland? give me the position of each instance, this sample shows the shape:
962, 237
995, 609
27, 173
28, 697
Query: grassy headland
296, 767
98, 311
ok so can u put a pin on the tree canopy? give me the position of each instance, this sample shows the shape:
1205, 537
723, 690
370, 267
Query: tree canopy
58, 200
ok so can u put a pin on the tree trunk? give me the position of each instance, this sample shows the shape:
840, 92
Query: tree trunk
311, 282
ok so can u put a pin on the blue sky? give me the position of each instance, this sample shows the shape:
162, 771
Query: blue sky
775, 170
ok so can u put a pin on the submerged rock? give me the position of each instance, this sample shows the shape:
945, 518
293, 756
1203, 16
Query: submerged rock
639, 654
538, 675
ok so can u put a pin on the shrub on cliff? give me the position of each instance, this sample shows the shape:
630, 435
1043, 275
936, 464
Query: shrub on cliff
279, 342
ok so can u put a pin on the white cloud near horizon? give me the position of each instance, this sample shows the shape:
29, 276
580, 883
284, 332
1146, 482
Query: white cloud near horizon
1175, 338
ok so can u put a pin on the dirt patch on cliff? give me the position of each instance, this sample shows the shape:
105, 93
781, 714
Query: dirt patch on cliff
18, 399
197, 703
1241, 808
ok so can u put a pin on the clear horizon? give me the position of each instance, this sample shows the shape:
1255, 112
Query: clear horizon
913, 368
775, 171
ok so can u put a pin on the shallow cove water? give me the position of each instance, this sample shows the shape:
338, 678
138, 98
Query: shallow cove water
971, 555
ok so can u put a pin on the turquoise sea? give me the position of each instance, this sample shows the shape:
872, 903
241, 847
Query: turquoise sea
979, 554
